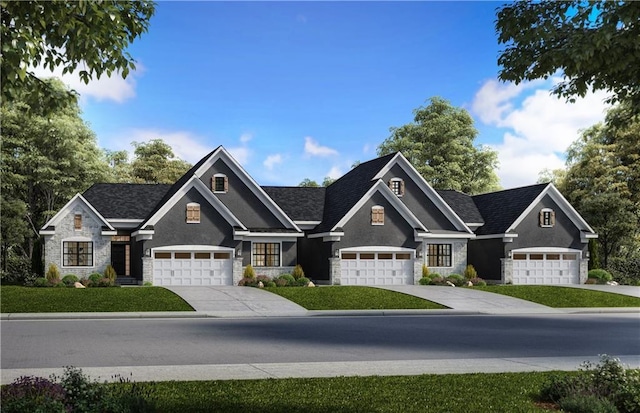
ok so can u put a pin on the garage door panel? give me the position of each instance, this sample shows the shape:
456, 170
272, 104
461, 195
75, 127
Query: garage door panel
376, 268
192, 268
546, 268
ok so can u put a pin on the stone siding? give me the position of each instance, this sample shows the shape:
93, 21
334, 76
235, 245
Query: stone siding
459, 259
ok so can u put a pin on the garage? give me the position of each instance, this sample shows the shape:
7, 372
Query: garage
192, 267
376, 267
546, 267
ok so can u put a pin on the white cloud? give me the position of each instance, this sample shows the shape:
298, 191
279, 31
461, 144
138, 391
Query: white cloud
335, 172
246, 137
112, 87
312, 148
536, 127
185, 145
272, 160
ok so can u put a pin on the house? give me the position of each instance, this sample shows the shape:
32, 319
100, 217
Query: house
378, 224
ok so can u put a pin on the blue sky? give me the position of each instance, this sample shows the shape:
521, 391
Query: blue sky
301, 90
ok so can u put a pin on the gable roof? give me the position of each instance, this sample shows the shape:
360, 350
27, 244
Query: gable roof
501, 209
77, 199
125, 201
300, 203
462, 205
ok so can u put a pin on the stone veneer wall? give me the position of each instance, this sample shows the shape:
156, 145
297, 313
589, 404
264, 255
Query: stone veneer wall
91, 231
459, 258
273, 272
584, 270
506, 265
335, 271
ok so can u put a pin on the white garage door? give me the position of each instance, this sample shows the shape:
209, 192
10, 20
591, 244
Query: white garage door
376, 268
192, 268
546, 268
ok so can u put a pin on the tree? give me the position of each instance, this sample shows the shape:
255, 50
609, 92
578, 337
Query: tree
86, 35
327, 181
439, 144
595, 45
555, 176
155, 163
603, 180
308, 183
45, 161
119, 166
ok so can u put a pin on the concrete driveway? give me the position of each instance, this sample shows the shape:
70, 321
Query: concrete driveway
230, 301
630, 290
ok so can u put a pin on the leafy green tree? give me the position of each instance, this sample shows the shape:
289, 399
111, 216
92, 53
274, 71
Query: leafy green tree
593, 43
119, 166
45, 161
306, 182
555, 176
439, 144
327, 181
603, 180
87, 35
155, 163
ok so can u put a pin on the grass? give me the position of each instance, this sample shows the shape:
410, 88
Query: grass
352, 298
50, 300
465, 393
563, 297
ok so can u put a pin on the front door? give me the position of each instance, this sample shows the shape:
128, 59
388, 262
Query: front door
119, 258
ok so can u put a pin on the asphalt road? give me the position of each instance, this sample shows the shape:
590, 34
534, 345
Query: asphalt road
175, 342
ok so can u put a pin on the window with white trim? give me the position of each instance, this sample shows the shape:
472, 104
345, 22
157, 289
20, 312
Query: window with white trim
193, 213
220, 183
439, 255
377, 215
265, 254
547, 218
397, 186
77, 254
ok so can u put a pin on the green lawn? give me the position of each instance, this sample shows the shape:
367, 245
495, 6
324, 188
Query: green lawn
352, 298
15, 299
560, 297
464, 393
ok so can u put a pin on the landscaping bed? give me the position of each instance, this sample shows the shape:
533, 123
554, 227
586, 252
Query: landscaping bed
563, 297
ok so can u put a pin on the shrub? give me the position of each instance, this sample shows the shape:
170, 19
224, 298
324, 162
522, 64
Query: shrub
69, 280
297, 272
84, 281
18, 271
457, 279
281, 282
626, 269
270, 284
591, 281
33, 394
110, 273
94, 279
425, 271
248, 282
103, 282
580, 403
41, 282
58, 284
302, 281
477, 281
53, 273
601, 275
437, 280
289, 278
424, 281
265, 279
470, 272
249, 272
147, 284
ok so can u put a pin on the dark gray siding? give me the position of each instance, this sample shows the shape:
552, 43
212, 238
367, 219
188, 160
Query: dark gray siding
396, 231
137, 252
416, 200
172, 229
485, 257
313, 255
240, 200
288, 253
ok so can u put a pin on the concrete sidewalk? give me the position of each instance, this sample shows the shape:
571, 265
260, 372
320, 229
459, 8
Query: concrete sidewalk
629, 290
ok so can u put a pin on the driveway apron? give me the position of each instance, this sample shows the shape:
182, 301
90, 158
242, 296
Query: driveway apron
231, 301
472, 300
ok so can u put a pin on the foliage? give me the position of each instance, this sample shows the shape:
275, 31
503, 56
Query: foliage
248, 282
69, 280
586, 404
425, 271
297, 272
104, 282
18, 270
72, 300
601, 275
477, 281
110, 273
90, 36
626, 269
457, 280
302, 281
95, 278
594, 44
607, 380
41, 282
33, 394
249, 272
155, 163
439, 144
308, 183
470, 272
424, 281
53, 273
327, 181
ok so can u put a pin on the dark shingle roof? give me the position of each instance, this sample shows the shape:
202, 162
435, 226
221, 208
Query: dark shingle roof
344, 193
462, 205
501, 209
125, 201
299, 203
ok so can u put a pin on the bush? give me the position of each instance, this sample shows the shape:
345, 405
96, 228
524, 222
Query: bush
18, 271
591, 281
249, 272
470, 272
281, 282
265, 279
289, 279
69, 280
436, 279
33, 394
479, 282
425, 271
270, 284
147, 284
94, 279
41, 282
84, 281
110, 273
424, 281
601, 275
580, 403
302, 281
103, 282
297, 272
248, 282
626, 270
457, 280
53, 274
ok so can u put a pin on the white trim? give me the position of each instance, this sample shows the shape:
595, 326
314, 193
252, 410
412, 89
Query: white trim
586, 236
551, 224
109, 233
78, 239
396, 179
196, 183
192, 248
562, 203
249, 235
434, 235
266, 242
494, 236
378, 248
406, 166
221, 153
219, 175
307, 225
65, 211
399, 206
327, 234
552, 250
124, 223
143, 234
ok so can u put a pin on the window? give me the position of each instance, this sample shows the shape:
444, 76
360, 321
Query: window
547, 218
182, 255
77, 221
163, 255
397, 186
219, 183
377, 215
439, 255
403, 256
266, 254
193, 213
77, 254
